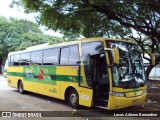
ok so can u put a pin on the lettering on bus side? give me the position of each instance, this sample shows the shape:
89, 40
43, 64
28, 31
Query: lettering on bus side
39, 73
53, 90
29, 73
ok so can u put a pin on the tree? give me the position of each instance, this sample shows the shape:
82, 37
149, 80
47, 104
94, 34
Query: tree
20, 34
102, 18
31, 39
3, 38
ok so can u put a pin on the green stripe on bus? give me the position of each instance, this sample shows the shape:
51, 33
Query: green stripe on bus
15, 74
66, 78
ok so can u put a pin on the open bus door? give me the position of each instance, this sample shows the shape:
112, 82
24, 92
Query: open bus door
100, 80
95, 79
85, 82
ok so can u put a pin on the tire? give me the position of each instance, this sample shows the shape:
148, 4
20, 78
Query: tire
73, 98
20, 87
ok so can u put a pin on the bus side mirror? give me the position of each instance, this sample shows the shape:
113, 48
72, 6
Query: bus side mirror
115, 54
152, 57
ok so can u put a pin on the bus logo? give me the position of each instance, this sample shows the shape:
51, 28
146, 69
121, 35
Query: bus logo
35, 71
6, 114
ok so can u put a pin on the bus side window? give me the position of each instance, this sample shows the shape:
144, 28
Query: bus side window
17, 60
25, 59
64, 56
11, 60
73, 55
50, 56
36, 57
90, 49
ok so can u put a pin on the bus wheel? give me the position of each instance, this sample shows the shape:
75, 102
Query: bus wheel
20, 87
73, 99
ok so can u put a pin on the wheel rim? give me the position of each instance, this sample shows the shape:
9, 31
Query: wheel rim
73, 98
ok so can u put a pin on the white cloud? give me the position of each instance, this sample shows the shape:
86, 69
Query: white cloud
52, 33
8, 12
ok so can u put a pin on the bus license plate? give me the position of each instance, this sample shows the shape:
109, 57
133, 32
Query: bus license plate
135, 101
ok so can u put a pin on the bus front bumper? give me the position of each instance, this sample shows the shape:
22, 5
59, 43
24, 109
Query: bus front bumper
123, 102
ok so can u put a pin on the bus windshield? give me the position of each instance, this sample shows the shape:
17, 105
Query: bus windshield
130, 72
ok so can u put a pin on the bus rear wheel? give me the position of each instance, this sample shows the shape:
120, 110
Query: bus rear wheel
20, 87
73, 98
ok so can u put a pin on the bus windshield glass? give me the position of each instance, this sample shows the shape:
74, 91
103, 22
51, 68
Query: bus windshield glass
130, 72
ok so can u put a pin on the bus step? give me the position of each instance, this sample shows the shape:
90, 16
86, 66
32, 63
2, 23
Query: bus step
101, 107
101, 102
103, 96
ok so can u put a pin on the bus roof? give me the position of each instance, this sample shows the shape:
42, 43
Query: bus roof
54, 45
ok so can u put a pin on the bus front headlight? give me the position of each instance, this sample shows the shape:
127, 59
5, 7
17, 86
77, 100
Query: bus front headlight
118, 94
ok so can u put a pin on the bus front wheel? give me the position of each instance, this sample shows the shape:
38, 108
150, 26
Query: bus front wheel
73, 99
20, 87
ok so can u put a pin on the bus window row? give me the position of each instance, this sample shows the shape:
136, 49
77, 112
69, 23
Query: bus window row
68, 55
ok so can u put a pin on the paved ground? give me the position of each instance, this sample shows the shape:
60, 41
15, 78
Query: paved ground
11, 100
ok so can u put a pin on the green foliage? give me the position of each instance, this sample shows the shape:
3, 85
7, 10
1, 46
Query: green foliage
73, 17
31, 39
20, 34
106, 18
4, 35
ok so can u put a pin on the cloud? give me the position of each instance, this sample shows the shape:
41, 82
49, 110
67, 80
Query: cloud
8, 12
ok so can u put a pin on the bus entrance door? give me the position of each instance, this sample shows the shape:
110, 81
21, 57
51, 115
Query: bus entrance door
100, 81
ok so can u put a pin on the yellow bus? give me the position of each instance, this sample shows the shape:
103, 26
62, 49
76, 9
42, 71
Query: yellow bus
93, 72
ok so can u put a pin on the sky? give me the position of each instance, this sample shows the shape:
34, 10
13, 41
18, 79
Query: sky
8, 12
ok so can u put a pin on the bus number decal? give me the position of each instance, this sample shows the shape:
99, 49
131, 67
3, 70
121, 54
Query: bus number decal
53, 90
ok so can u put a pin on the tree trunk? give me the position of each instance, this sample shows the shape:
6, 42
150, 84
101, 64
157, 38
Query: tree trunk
149, 69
